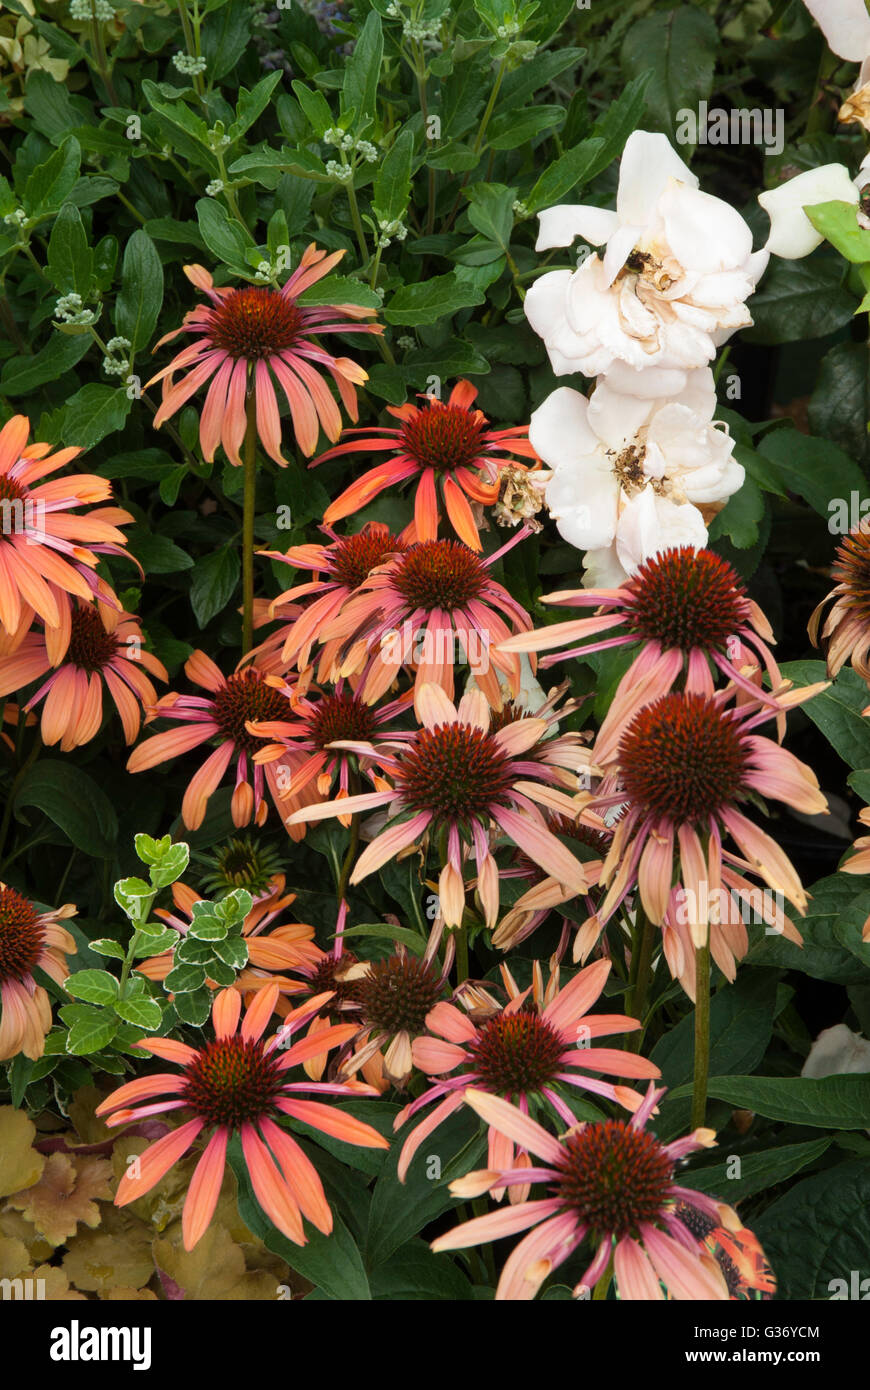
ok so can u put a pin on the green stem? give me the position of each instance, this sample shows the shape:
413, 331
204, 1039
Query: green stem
461, 937
702, 1032
642, 970
249, 512
349, 859
601, 1288
101, 60
357, 222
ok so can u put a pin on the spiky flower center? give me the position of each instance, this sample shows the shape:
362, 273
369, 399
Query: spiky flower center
354, 557
233, 1080
246, 696
683, 759
456, 771
91, 647
396, 994
342, 717
330, 974
443, 436
242, 864
687, 599
13, 508
22, 935
515, 1054
852, 570
439, 574
255, 323
614, 1177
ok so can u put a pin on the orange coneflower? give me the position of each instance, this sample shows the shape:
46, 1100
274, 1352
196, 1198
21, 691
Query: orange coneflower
438, 442
393, 998
430, 608
239, 1084
343, 564
106, 649
247, 337
47, 551
454, 776
610, 1181
29, 940
233, 702
532, 1047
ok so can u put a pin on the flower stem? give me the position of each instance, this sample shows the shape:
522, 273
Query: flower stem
349, 858
249, 511
641, 971
461, 937
702, 1032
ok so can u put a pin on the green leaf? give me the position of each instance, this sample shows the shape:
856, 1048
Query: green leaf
392, 185
362, 72
513, 128
316, 108
840, 404
739, 518
679, 47
251, 105
815, 469
837, 710
233, 951
800, 299
226, 38
431, 300
94, 986
144, 1013
156, 943
416, 1274
818, 1233
170, 866
141, 298
490, 211
93, 412
51, 182
157, 554
92, 1033
194, 1006
213, 582
105, 946
832, 1102
23, 374
758, 1171
74, 802
838, 223
70, 259
831, 931
384, 932
574, 167
223, 236
184, 979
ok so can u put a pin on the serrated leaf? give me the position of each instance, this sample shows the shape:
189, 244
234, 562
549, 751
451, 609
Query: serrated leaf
93, 1033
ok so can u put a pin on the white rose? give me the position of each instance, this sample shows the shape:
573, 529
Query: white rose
845, 25
671, 285
630, 473
792, 234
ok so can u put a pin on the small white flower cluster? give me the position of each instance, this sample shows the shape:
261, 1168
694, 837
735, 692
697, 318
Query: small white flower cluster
91, 9
17, 218
405, 342
343, 141
642, 464
265, 272
520, 210
68, 309
508, 31
188, 66
342, 173
213, 188
114, 365
393, 10
421, 30
390, 231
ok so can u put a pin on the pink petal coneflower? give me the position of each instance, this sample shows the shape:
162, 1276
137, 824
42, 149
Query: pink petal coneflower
239, 1084
248, 339
29, 940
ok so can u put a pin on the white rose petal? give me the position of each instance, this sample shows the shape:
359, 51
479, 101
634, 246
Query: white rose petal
792, 234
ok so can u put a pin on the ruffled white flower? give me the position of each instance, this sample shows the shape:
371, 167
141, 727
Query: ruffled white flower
792, 234
631, 474
837, 1052
671, 284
